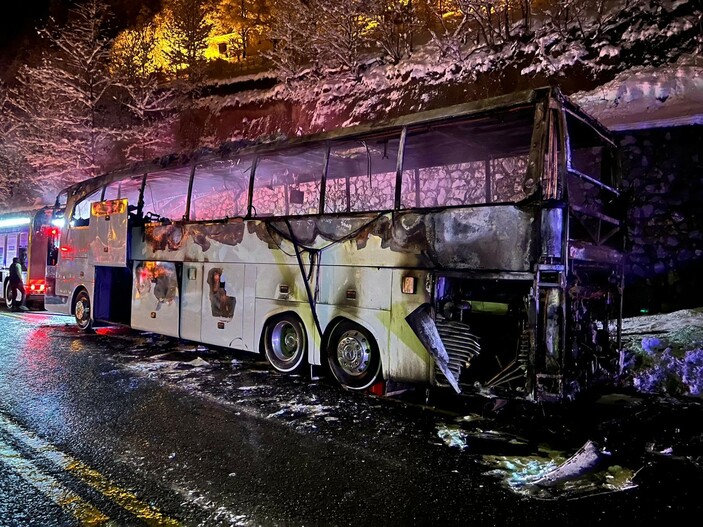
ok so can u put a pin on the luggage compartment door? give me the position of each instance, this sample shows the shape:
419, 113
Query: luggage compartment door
223, 305
156, 298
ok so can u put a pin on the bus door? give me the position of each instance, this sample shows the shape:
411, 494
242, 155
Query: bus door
109, 254
156, 297
222, 319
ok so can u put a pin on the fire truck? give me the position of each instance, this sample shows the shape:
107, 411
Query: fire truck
32, 236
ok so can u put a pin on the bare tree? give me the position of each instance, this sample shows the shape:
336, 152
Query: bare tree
151, 102
293, 27
58, 111
343, 34
395, 22
187, 30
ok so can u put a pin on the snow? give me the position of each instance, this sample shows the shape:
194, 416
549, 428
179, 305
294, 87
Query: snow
649, 97
664, 352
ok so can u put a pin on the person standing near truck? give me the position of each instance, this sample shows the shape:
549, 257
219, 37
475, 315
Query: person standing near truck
16, 284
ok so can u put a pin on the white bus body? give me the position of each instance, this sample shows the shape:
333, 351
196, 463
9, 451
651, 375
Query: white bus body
441, 248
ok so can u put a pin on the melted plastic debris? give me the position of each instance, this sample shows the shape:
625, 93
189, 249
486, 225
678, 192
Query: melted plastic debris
296, 410
452, 436
483, 440
553, 476
586, 459
470, 418
197, 363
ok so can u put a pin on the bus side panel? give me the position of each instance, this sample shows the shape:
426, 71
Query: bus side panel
223, 306
38, 252
248, 305
11, 247
409, 361
3, 268
356, 287
191, 301
156, 298
3, 239
73, 270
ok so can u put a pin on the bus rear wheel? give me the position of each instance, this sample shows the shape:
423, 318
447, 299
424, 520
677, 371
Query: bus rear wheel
353, 356
81, 310
8, 298
285, 343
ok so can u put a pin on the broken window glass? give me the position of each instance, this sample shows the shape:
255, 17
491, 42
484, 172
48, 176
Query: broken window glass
287, 183
361, 175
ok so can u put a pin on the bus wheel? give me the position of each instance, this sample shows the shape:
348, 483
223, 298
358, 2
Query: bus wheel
8, 292
81, 310
353, 356
285, 343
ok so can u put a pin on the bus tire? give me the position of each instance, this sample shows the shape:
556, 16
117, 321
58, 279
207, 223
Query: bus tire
285, 343
81, 311
8, 302
353, 356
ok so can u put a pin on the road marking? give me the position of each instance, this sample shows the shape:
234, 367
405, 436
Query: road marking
68, 500
125, 499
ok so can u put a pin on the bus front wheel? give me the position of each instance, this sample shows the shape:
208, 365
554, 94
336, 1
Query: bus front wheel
285, 343
81, 310
353, 356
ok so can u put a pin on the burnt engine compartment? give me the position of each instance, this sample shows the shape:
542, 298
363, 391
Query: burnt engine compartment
483, 326
593, 311
520, 336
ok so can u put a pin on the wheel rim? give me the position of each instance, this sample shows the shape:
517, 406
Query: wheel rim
354, 353
285, 341
8, 302
82, 311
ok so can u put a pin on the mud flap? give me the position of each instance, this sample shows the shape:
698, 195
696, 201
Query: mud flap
424, 327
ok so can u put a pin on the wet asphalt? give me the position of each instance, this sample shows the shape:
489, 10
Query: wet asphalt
125, 428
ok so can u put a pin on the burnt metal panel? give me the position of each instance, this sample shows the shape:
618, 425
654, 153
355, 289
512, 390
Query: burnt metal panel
491, 238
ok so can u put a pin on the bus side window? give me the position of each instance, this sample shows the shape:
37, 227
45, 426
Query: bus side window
165, 195
361, 175
81, 212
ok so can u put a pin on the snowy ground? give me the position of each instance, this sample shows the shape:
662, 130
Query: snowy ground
664, 353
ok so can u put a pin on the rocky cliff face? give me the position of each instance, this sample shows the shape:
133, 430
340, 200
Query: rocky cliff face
663, 171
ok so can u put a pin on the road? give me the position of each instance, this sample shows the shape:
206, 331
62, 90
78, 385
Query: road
125, 428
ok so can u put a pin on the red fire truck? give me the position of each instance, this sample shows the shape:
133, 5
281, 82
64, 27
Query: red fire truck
32, 236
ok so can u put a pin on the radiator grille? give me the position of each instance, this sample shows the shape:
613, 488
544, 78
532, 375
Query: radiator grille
461, 345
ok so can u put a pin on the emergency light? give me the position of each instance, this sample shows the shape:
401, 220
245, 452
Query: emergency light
14, 222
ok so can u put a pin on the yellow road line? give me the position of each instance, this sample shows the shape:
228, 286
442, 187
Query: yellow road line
125, 499
84, 512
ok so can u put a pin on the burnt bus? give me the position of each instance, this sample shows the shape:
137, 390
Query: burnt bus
478, 246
